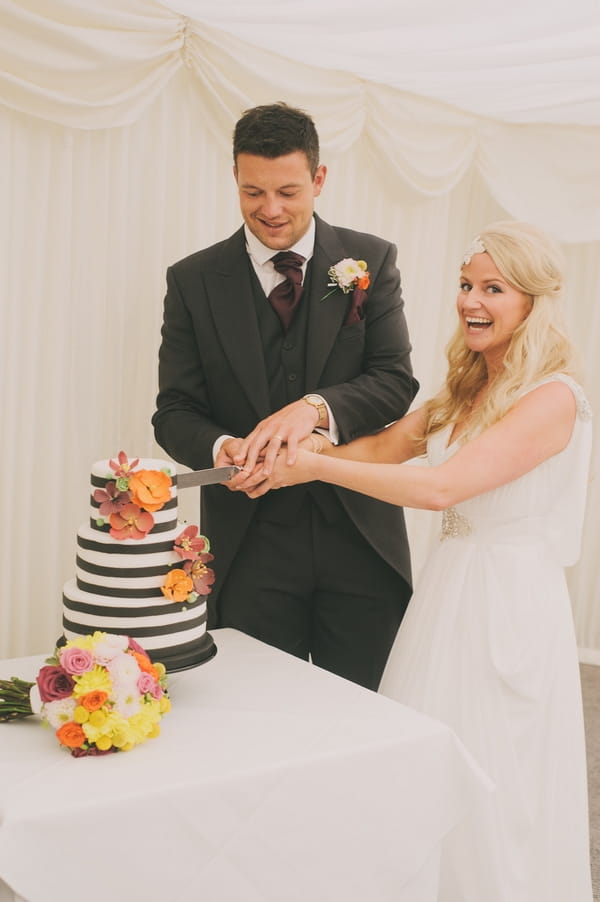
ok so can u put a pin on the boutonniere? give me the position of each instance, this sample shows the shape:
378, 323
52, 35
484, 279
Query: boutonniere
348, 274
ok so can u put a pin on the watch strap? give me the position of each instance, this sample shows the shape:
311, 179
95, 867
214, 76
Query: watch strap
319, 405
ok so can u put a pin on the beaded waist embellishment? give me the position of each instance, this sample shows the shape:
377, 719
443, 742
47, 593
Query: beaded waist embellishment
454, 525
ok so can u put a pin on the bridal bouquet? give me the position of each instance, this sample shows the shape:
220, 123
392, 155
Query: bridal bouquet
99, 693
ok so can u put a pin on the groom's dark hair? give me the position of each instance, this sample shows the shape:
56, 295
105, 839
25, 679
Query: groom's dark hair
274, 130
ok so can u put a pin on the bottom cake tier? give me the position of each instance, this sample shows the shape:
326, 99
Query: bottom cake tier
173, 633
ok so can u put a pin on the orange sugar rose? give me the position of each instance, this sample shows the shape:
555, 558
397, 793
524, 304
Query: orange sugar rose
71, 735
150, 489
177, 585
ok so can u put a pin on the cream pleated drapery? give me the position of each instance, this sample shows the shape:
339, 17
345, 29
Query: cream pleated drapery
115, 133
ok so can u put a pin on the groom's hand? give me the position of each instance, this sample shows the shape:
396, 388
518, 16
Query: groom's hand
247, 479
285, 428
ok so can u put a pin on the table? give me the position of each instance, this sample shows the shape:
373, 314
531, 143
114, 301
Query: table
272, 781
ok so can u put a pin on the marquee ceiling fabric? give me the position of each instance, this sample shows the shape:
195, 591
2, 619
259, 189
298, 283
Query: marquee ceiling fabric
512, 89
518, 61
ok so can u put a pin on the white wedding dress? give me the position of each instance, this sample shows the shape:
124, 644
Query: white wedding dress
487, 645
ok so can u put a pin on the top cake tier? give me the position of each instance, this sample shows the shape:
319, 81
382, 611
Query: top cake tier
131, 495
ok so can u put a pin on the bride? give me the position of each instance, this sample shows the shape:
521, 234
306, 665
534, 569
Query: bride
487, 644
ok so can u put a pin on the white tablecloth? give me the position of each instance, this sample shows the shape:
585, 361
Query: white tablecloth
271, 780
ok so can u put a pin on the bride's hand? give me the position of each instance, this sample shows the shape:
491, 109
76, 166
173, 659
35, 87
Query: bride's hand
316, 442
284, 474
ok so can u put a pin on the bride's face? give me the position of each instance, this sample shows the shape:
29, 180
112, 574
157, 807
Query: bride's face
489, 308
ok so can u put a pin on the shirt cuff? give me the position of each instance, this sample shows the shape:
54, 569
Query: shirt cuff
332, 432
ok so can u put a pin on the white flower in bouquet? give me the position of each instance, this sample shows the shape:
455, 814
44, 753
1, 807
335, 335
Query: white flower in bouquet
123, 669
108, 648
126, 697
59, 712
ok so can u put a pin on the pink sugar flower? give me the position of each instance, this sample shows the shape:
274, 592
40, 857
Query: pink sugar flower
202, 576
111, 500
131, 522
124, 467
189, 544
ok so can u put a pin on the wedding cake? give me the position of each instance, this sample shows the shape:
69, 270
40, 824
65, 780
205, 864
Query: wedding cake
139, 572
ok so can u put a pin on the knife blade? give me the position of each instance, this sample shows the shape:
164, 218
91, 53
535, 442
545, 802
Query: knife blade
206, 477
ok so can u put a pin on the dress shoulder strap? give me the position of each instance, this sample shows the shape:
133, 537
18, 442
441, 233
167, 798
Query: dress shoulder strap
584, 409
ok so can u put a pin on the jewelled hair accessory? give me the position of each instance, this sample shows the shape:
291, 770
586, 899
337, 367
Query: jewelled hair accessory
476, 247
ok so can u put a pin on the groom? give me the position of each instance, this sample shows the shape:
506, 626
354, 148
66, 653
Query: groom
276, 353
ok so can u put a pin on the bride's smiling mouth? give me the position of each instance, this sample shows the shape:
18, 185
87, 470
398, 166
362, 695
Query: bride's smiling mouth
477, 323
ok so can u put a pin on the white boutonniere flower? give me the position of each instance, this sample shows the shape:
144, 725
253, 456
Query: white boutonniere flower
348, 274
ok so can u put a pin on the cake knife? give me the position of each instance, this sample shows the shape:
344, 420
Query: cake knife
206, 477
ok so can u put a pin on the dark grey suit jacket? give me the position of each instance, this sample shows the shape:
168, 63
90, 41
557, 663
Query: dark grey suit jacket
212, 379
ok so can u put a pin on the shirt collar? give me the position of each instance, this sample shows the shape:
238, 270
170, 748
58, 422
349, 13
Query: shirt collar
260, 253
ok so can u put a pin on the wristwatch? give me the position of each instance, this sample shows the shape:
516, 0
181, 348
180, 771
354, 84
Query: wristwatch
318, 402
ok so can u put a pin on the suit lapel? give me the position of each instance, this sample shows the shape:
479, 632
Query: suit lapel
325, 317
229, 291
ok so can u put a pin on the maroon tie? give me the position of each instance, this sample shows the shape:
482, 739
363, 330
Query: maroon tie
285, 296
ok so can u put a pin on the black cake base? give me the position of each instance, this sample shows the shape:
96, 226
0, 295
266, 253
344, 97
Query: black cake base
184, 657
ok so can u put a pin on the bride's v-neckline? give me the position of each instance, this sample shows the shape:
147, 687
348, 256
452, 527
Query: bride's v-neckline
452, 439
453, 436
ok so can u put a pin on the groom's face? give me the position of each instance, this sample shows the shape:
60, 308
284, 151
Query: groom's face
277, 196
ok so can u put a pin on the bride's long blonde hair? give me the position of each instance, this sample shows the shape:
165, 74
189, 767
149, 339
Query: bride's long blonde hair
531, 263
